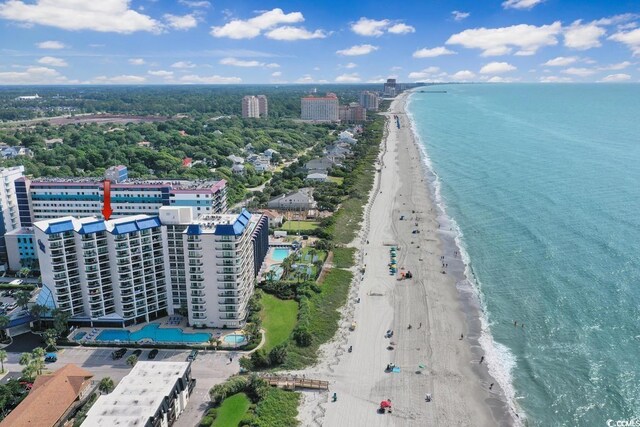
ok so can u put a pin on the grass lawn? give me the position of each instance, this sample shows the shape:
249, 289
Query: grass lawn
337, 179
279, 408
232, 411
296, 225
278, 319
343, 257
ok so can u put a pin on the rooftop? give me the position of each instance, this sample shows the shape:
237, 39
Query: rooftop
138, 396
49, 398
176, 184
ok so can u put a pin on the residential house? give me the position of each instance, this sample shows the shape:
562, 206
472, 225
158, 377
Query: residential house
269, 153
275, 218
145, 144
12, 152
297, 200
319, 177
49, 143
236, 159
187, 162
322, 164
346, 136
52, 398
237, 169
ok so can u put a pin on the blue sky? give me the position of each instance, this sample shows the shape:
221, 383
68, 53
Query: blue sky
219, 41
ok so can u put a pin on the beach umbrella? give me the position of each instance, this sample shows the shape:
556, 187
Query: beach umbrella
385, 404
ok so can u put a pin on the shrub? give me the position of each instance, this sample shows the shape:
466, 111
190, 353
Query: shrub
259, 359
235, 385
278, 354
302, 336
206, 421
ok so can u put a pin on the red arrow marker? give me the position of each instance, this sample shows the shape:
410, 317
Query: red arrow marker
106, 209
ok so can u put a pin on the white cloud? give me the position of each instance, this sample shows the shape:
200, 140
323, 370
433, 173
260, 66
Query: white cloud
290, 33
500, 79
351, 65
184, 22
362, 49
268, 20
276, 74
427, 73
215, 79
463, 75
401, 28
104, 16
183, 64
240, 63
51, 44
561, 61
433, 52
499, 41
160, 73
521, 4
497, 68
555, 79
617, 19
306, 79
243, 63
32, 75
119, 80
616, 78
195, 4
348, 78
459, 16
580, 72
52, 62
583, 37
630, 38
619, 66
627, 26
372, 27
137, 61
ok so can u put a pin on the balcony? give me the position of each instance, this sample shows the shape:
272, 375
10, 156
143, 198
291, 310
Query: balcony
197, 286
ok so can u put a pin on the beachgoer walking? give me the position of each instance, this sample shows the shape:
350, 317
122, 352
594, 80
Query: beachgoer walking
515, 323
491, 386
481, 359
461, 336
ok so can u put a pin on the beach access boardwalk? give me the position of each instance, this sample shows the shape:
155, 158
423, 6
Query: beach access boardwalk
291, 383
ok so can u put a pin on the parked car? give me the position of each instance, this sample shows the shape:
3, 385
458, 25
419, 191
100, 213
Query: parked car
12, 306
153, 353
192, 356
51, 357
137, 353
118, 354
16, 282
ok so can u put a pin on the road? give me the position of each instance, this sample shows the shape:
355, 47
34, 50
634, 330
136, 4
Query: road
209, 369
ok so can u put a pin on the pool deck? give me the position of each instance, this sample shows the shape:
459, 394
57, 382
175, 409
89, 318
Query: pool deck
164, 322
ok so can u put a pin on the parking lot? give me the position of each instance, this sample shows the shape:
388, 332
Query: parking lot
208, 369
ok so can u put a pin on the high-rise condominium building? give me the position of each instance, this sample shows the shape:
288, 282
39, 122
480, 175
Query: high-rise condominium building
255, 106
9, 214
353, 113
222, 257
138, 268
320, 108
369, 100
390, 88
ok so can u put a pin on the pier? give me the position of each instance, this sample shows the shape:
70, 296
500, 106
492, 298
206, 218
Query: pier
290, 383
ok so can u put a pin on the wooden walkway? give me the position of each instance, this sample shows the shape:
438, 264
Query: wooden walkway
289, 383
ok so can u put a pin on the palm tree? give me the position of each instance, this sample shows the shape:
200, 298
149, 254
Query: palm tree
22, 298
286, 265
37, 359
3, 358
313, 252
25, 359
37, 311
132, 360
4, 322
51, 339
106, 385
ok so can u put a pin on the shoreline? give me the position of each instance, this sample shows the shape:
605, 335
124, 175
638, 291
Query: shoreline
431, 356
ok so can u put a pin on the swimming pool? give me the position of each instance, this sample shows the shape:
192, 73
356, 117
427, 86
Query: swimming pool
278, 270
280, 254
154, 333
235, 339
79, 336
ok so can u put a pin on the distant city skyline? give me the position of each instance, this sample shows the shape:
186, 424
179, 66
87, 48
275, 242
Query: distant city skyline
251, 42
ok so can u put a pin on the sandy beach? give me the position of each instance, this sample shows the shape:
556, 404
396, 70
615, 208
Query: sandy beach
431, 355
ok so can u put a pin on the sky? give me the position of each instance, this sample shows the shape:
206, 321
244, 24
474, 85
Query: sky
321, 41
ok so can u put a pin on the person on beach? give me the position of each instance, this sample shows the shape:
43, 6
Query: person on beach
481, 359
461, 336
491, 386
515, 323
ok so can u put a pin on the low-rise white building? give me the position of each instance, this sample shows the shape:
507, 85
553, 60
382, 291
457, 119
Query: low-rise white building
153, 394
301, 200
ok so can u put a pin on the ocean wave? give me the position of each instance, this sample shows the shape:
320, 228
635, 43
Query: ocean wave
500, 360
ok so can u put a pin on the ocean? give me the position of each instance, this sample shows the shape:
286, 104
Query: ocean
542, 182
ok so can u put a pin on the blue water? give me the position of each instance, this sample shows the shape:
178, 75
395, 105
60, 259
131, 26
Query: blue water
234, 339
278, 270
279, 254
153, 332
543, 182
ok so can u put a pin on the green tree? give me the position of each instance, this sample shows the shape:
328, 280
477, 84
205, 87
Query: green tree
132, 360
259, 358
37, 359
25, 359
4, 322
37, 311
278, 354
106, 385
23, 298
60, 321
51, 338
3, 358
